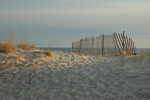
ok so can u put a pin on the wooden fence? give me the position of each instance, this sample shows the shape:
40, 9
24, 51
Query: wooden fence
105, 44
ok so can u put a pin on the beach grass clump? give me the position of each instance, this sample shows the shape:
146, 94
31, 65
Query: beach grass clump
7, 47
48, 53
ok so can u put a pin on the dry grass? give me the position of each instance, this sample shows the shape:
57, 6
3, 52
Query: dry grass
26, 45
145, 53
128, 53
48, 53
7, 47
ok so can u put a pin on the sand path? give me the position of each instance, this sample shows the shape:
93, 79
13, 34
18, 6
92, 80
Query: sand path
73, 77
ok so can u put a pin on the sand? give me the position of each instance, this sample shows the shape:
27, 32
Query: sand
28, 75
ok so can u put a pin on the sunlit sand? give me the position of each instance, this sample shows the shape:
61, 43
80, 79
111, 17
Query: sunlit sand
30, 75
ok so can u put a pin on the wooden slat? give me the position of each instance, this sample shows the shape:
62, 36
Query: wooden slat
127, 44
115, 35
123, 40
120, 41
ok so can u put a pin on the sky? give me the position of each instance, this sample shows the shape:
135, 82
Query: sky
58, 23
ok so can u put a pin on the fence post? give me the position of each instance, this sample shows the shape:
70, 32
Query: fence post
134, 50
127, 48
80, 46
103, 45
72, 46
93, 45
131, 46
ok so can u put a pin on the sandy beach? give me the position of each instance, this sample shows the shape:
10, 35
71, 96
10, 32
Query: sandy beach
74, 49
28, 75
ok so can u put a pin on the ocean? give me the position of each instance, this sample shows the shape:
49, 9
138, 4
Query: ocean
67, 49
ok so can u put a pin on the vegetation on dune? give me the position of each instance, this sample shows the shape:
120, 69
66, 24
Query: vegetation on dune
7, 45
145, 53
48, 53
26, 45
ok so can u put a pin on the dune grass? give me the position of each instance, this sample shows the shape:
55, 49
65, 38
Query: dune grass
26, 45
7, 45
48, 53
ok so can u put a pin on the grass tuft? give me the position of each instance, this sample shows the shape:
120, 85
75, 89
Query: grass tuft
7, 47
26, 45
48, 53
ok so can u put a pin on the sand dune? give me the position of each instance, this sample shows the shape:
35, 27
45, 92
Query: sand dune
28, 75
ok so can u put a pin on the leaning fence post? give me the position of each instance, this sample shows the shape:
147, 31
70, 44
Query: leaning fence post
129, 46
123, 42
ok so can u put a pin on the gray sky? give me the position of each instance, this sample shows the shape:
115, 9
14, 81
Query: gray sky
57, 23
